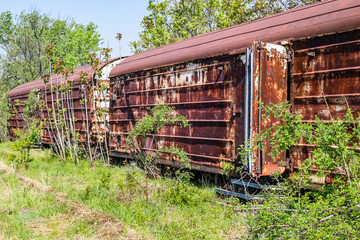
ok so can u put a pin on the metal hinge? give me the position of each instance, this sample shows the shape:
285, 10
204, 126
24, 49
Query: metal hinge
286, 56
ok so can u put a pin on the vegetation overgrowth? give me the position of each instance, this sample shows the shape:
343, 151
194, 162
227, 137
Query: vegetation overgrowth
23, 41
175, 209
29, 135
165, 207
143, 146
294, 210
61, 118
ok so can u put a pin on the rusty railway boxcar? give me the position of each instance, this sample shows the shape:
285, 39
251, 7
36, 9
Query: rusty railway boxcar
85, 121
308, 55
17, 98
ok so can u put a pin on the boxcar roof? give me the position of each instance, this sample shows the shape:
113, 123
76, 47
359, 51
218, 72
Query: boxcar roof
24, 89
312, 20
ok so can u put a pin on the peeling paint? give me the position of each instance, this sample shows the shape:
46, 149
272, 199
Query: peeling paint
206, 91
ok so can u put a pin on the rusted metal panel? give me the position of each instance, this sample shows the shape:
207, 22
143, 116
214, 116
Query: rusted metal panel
209, 92
325, 82
325, 75
315, 72
88, 103
21, 92
309, 21
100, 103
269, 87
83, 116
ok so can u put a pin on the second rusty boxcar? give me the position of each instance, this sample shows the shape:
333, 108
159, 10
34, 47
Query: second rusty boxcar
80, 103
305, 55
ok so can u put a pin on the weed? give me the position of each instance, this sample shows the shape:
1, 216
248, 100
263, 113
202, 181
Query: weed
146, 152
163, 216
180, 193
301, 213
24, 144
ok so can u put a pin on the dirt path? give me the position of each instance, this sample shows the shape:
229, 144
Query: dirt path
106, 226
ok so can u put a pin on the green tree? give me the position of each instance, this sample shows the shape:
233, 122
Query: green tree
23, 41
173, 20
24, 38
4, 114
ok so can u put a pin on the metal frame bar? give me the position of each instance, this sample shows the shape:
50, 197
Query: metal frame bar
181, 103
249, 79
179, 87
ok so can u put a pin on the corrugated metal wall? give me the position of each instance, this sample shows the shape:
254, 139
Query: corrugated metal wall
325, 80
208, 92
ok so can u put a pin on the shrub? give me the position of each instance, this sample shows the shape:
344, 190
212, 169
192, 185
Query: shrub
294, 210
24, 144
158, 117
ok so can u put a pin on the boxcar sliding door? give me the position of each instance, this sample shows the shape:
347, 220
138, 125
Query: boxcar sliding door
266, 82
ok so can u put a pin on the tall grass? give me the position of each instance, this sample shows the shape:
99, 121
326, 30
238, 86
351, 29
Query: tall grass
176, 209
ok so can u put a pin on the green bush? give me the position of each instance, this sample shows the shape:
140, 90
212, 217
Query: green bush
150, 125
30, 134
180, 193
294, 210
24, 144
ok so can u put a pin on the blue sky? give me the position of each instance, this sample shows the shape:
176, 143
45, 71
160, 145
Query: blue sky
111, 16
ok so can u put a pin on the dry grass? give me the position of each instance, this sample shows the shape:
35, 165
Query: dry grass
104, 228
104, 225
28, 182
6, 191
52, 227
5, 168
31, 183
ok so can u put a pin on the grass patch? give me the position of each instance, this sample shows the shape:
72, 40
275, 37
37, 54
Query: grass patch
175, 209
21, 209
